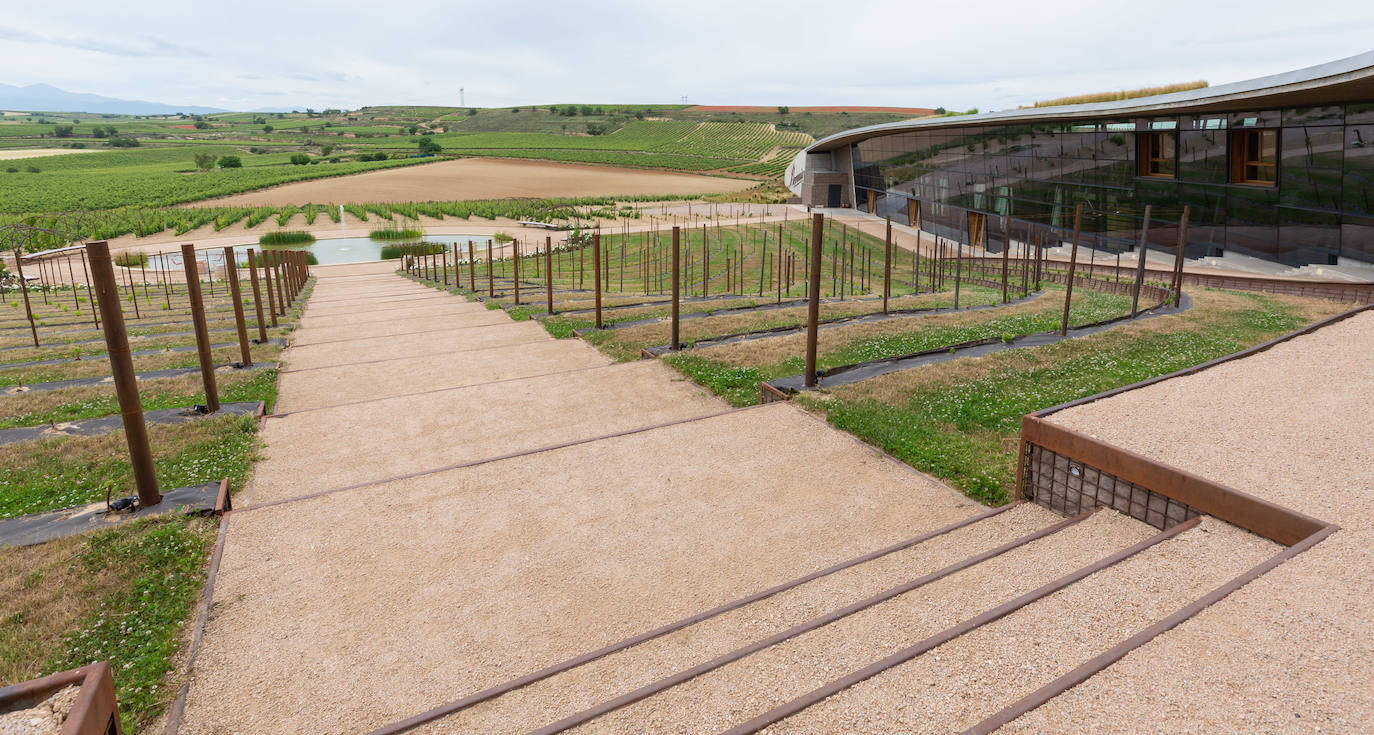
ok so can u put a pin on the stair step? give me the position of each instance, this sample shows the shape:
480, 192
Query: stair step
723, 698
956, 685
545, 701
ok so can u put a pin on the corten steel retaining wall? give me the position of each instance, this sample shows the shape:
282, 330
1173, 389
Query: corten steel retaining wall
1066, 470
93, 713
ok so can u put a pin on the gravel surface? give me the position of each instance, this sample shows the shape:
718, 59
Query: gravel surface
764, 680
44, 718
1292, 652
379, 439
411, 345
958, 684
337, 614
557, 697
465, 320
438, 369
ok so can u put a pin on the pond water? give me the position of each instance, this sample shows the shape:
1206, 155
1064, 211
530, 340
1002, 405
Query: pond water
334, 251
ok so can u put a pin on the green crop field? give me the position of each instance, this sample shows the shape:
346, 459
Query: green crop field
150, 161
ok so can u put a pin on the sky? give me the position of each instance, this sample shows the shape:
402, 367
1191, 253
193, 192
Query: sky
910, 53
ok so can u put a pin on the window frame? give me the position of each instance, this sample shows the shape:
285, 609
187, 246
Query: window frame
1241, 162
1145, 148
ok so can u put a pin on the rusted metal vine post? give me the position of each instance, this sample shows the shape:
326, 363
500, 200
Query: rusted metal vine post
232, 268
813, 298
677, 286
491, 276
1073, 266
515, 268
257, 296
122, 369
1178, 256
596, 265
548, 274
207, 364
1140, 263
24, 289
887, 265
267, 284
472, 267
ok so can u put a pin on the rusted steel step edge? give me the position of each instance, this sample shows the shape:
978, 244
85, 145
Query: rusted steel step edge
823, 692
513, 684
686, 675
1095, 665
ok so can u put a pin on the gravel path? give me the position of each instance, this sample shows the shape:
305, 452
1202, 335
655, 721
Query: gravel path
1292, 652
344, 612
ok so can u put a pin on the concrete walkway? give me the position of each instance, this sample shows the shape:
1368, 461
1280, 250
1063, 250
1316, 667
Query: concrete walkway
450, 499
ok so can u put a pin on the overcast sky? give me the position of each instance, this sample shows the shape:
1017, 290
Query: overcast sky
990, 54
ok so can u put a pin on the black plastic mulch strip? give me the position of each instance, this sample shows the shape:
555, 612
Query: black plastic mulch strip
135, 353
14, 390
107, 424
133, 339
37, 528
853, 373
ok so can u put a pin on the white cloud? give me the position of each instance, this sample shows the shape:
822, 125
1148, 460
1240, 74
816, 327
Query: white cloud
344, 53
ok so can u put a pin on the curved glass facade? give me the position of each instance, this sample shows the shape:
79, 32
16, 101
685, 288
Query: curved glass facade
1307, 191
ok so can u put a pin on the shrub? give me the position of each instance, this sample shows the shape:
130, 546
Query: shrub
502, 237
34, 169
393, 232
392, 252
427, 145
299, 159
286, 237
230, 162
131, 260
12, 170
120, 141
205, 161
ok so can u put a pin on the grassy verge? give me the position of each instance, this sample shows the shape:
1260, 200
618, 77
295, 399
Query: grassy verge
734, 371
121, 595
960, 422
75, 404
57, 473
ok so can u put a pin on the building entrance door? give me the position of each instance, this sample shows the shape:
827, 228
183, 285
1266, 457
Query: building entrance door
832, 196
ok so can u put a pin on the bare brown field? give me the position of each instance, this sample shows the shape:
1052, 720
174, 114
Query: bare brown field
485, 178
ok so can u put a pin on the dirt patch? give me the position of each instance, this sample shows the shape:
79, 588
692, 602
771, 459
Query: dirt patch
16, 155
484, 178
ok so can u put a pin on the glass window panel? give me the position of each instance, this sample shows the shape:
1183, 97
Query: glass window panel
1252, 227
1359, 114
1258, 119
1311, 167
1358, 185
1202, 156
1357, 238
1309, 237
1332, 115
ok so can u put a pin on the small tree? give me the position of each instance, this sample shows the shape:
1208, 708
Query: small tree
201, 125
472, 111
98, 132
299, 159
205, 161
267, 129
230, 162
428, 145
784, 109
62, 131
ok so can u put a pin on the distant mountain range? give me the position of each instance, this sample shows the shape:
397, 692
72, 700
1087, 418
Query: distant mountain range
47, 98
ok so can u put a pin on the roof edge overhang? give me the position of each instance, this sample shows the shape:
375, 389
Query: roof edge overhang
1345, 80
